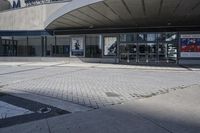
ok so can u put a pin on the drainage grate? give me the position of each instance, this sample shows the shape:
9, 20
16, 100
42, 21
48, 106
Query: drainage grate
112, 94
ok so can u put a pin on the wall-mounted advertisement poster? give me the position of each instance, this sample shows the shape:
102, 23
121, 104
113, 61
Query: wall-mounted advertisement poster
110, 46
190, 45
77, 46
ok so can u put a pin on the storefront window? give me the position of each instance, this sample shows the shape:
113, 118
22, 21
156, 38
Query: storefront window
21, 44
167, 52
93, 46
50, 42
127, 38
62, 47
151, 37
7, 46
34, 46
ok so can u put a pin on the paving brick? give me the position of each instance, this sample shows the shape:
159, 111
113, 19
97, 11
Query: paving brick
89, 86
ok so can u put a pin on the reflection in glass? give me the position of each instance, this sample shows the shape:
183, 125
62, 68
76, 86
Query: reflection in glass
49, 47
127, 37
141, 37
142, 48
151, 37
172, 51
8, 46
152, 51
167, 37
62, 47
167, 52
128, 52
34, 46
21, 43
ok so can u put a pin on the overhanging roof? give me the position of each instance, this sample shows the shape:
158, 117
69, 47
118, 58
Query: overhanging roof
126, 13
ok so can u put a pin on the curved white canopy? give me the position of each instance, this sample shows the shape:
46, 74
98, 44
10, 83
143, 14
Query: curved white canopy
125, 13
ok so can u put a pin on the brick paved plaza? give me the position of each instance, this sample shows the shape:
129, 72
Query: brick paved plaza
94, 85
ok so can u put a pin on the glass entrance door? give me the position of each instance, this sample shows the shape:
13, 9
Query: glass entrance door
128, 53
147, 53
142, 53
152, 52
167, 53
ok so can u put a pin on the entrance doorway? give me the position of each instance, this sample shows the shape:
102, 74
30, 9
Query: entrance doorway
147, 53
128, 53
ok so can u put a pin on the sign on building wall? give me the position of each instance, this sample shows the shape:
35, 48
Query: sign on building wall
110, 46
190, 45
77, 46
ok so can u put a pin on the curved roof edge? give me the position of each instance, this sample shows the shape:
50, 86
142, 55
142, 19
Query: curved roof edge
4, 5
75, 4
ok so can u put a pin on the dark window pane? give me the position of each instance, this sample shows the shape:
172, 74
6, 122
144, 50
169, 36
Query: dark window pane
93, 46
127, 37
62, 47
141, 37
34, 46
21, 45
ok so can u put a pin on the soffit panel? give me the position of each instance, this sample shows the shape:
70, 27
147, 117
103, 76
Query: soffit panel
85, 18
169, 7
120, 9
185, 7
60, 24
69, 22
152, 7
102, 9
135, 13
195, 11
136, 8
90, 12
76, 20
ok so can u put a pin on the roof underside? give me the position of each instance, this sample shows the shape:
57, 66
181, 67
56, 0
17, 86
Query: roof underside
131, 13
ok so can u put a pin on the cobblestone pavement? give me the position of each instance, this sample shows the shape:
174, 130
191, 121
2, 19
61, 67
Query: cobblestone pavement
94, 86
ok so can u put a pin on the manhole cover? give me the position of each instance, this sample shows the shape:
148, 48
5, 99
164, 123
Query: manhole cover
44, 110
112, 94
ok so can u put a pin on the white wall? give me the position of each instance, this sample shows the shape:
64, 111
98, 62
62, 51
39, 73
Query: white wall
22, 2
30, 18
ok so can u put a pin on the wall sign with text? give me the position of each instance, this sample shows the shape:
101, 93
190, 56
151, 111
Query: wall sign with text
190, 45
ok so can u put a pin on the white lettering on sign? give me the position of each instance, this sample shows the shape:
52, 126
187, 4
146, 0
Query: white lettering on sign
190, 36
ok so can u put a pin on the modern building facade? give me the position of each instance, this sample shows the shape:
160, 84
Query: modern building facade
115, 31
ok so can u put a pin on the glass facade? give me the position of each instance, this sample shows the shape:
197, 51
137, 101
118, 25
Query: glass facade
7, 46
50, 43
35, 46
62, 46
22, 43
127, 47
93, 47
148, 48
